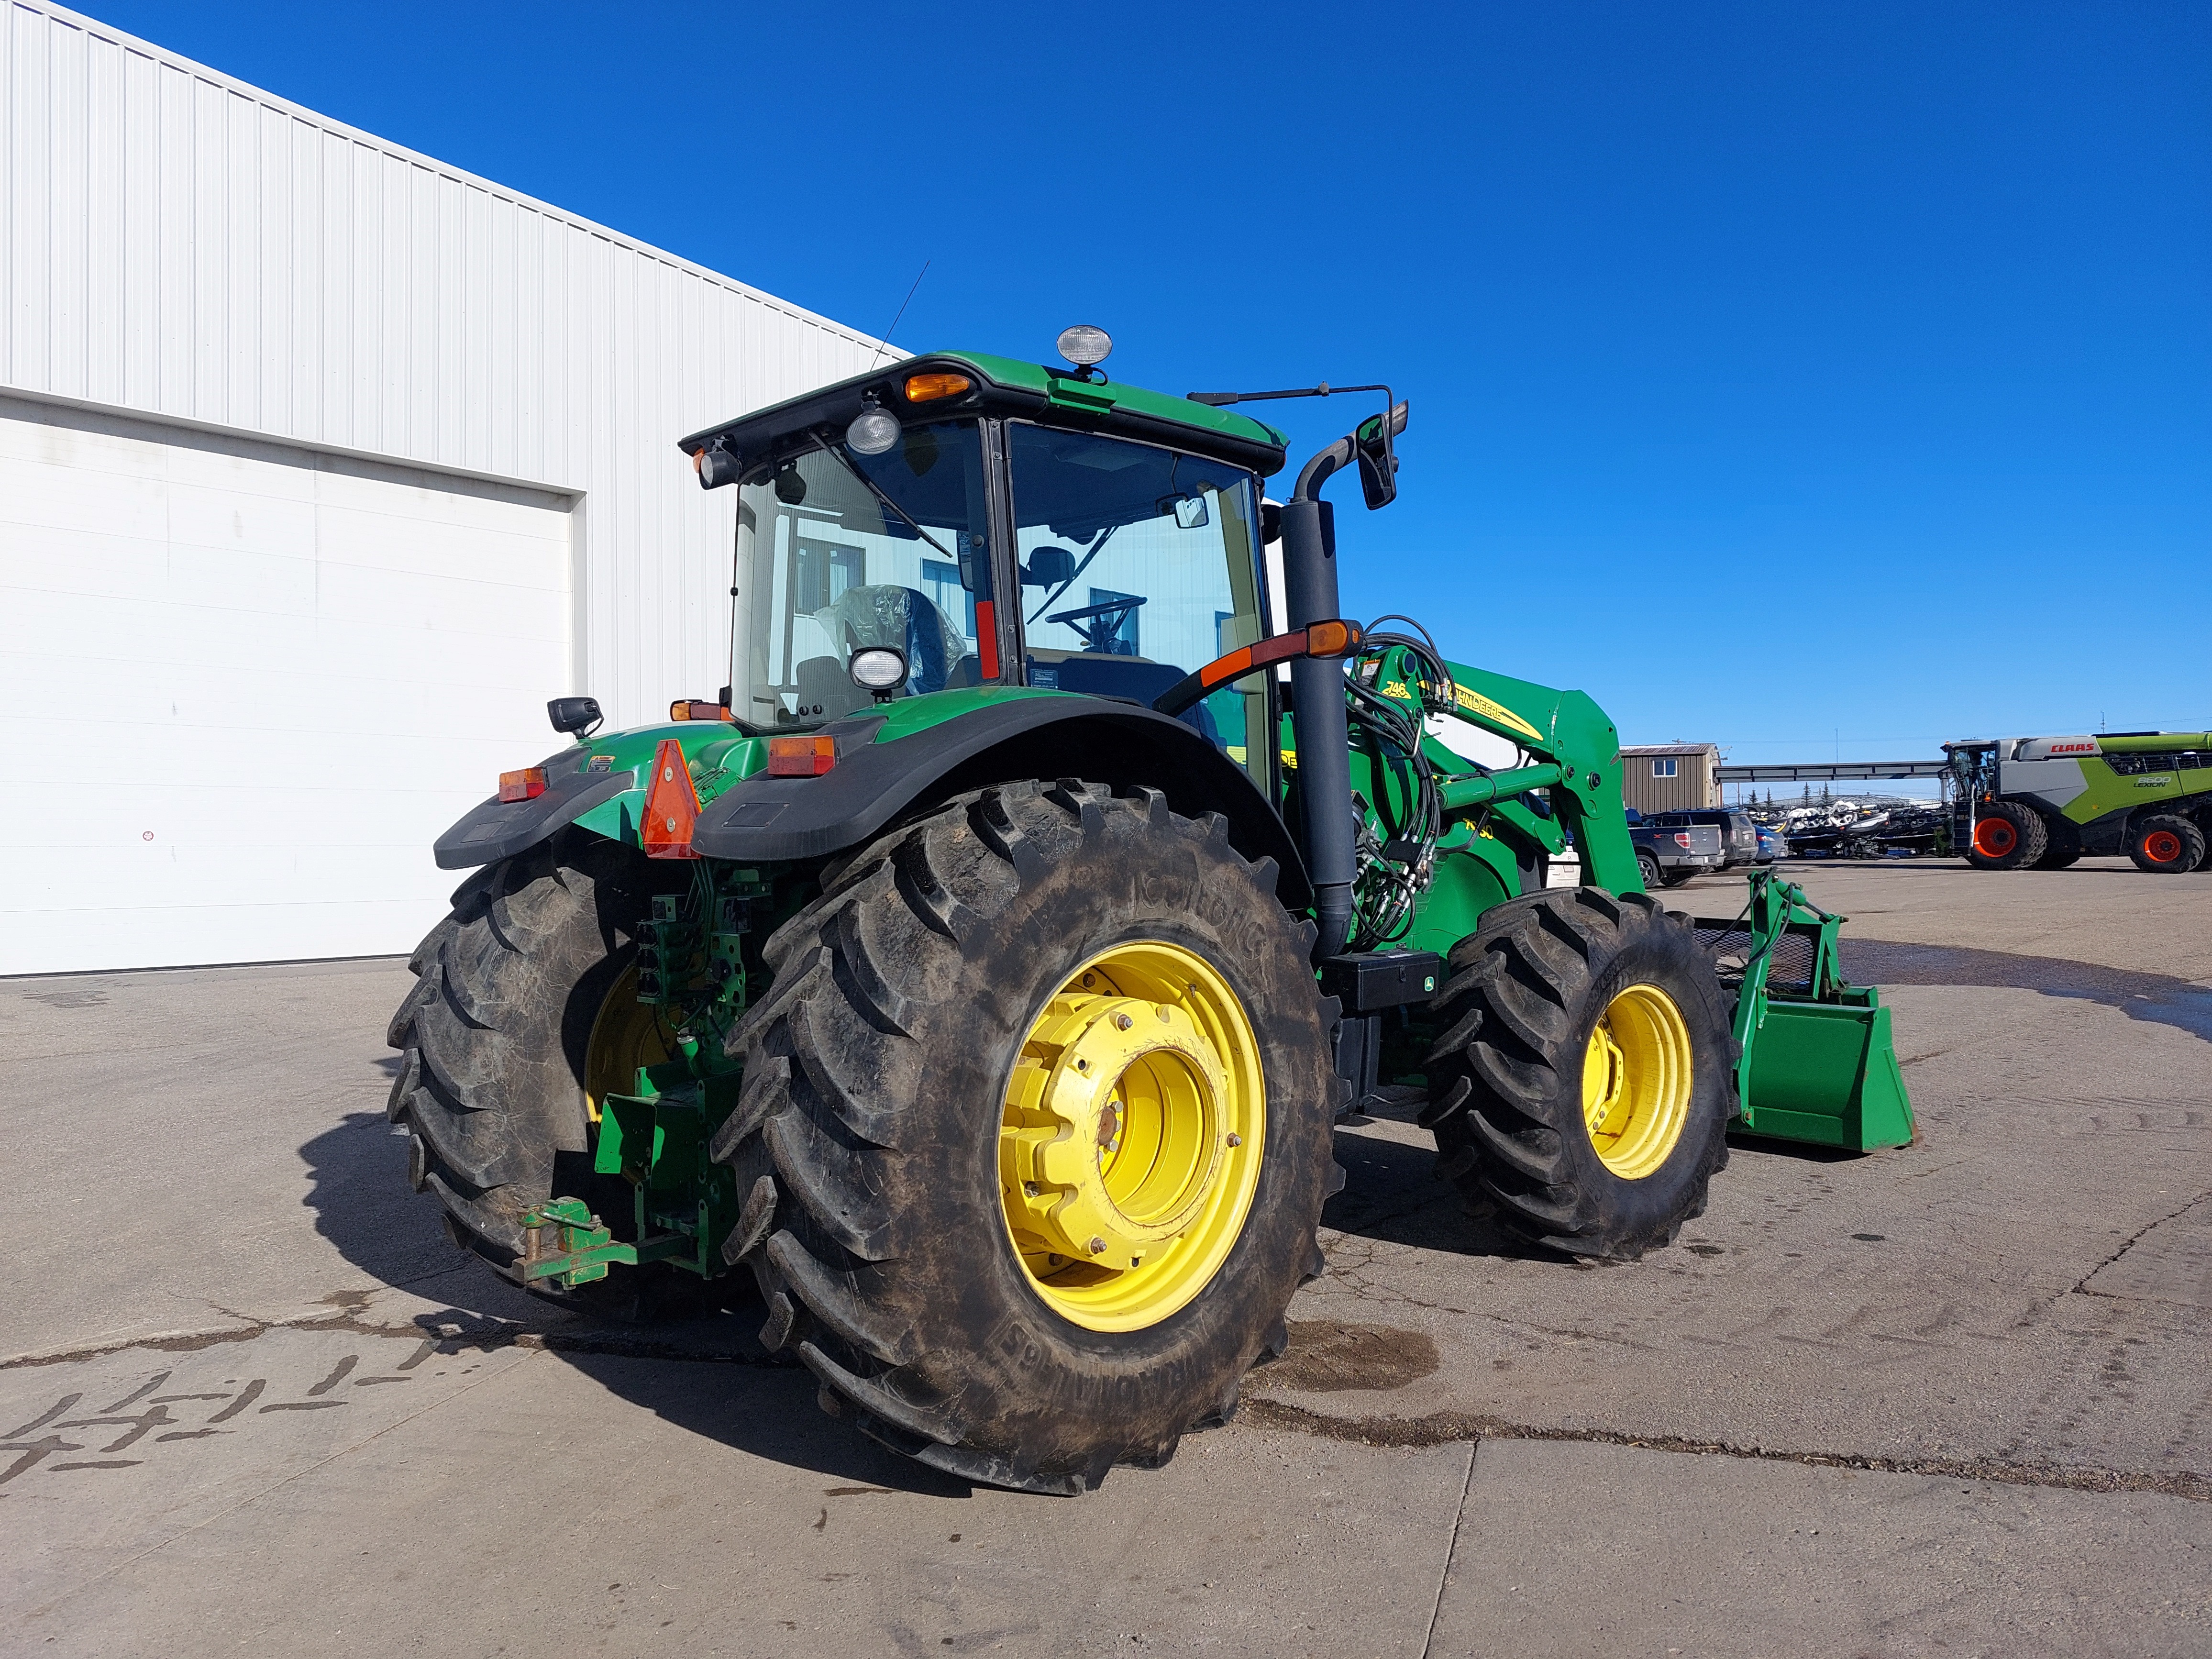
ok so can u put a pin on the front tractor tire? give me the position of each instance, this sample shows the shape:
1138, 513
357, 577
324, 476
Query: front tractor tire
2007, 836
1583, 1083
523, 1003
1035, 1132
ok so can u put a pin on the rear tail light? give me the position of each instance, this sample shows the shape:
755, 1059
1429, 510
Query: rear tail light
528, 784
1681, 838
801, 757
671, 805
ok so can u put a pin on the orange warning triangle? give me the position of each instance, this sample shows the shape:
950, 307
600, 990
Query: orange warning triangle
671, 805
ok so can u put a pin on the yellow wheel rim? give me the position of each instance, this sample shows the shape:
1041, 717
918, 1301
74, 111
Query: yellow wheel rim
626, 1034
1130, 1146
1637, 1078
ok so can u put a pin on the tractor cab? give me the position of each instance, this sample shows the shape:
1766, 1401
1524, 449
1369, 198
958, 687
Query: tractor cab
957, 522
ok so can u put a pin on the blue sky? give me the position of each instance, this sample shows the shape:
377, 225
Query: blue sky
1813, 378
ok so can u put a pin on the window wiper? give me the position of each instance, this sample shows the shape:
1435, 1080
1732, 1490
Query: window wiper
845, 461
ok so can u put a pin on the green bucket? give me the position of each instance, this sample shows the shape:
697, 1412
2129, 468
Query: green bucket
1826, 1072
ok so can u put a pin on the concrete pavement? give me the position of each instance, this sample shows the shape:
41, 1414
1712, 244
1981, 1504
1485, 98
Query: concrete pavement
1952, 1399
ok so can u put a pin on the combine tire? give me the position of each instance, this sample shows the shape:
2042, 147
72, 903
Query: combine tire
522, 1004
2062, 844
1035, 1133
2167, 844
2007, 836
1585, 1081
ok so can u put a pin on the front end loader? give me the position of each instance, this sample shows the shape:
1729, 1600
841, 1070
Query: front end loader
979, 977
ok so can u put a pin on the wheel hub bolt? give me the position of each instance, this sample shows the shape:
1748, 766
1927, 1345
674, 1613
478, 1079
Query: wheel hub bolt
1098, 1247
1122, 1022
1235, 1141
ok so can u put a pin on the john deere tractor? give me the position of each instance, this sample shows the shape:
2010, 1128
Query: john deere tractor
983, 973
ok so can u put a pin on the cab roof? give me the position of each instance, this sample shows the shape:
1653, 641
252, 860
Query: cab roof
1002, 388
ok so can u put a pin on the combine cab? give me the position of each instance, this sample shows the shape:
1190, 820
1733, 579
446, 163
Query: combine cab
982, 973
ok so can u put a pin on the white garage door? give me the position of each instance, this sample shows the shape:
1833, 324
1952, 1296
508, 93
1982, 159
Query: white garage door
245, 687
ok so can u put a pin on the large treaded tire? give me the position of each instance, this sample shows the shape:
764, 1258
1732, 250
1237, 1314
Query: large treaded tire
1526, 990
2007, 836
492, 1040
867, 1137
2155, 834
2062, 843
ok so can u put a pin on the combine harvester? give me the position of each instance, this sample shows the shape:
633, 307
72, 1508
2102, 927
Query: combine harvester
2042, 803
984, 971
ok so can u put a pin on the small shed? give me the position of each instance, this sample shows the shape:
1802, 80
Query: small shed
1669, 777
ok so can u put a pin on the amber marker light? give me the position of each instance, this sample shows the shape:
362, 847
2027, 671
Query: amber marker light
801, 757
528, 784
929, 388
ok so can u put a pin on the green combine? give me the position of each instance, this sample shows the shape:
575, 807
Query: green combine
981, 974
2043, 802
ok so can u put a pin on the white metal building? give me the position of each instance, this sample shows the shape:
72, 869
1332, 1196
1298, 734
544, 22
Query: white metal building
323, 465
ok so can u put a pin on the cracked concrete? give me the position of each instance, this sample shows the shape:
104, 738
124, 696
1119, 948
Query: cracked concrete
1956, 1398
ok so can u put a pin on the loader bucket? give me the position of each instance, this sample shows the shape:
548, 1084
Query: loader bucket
1818, 1064
1826, 1072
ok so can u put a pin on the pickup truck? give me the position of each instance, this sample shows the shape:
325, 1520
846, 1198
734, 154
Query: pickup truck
1739, 834
1671, 854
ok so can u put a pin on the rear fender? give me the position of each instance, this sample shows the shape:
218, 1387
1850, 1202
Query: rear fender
884, 774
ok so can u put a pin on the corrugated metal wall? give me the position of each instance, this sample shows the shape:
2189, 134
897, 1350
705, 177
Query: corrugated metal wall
179, 244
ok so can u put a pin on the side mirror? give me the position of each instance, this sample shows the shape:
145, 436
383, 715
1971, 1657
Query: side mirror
577, 716
1271, 523
1049, 567
1189, 510
1378, 462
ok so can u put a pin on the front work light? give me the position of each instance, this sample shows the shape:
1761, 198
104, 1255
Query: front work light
1086, 345
879, 668
873, 431
801, 757
929, 388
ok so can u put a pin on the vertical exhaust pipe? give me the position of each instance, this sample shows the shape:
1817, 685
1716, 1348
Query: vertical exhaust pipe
1317, 719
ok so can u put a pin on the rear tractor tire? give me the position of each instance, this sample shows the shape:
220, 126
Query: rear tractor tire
1584, 1084
2167, 844
524, 1006
1035, 1132
2007, 836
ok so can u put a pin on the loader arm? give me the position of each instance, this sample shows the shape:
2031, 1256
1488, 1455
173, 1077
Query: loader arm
1574, 753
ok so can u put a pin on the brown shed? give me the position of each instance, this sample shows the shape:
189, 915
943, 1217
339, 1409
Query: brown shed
1668, 777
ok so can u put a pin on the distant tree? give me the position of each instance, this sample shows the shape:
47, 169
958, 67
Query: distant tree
1824, 794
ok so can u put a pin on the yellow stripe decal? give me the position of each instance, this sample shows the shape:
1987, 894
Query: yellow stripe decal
1475, 702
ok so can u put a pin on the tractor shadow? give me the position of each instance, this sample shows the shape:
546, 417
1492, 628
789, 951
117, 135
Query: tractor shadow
1392, 1193
706, 1373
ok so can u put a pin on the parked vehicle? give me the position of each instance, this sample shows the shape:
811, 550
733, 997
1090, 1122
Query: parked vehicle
2041, 802
1772, 844
1011, 1086
1739, 834
1670, 855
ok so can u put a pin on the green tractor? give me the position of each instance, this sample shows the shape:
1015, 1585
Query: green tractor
2042, 803
983, 974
